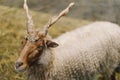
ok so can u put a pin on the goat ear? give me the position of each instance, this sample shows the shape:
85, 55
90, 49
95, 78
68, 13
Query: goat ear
51, 44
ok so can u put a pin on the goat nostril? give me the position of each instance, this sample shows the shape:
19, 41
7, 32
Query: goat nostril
18, 64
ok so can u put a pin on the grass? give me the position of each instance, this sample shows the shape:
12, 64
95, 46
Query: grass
12, 30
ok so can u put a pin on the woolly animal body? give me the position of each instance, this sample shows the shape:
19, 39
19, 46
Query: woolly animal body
81, 55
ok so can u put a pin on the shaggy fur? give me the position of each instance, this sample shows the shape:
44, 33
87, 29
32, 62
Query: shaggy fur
81, 55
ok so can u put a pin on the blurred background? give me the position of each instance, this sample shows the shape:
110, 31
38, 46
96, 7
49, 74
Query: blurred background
13, 21
84, 9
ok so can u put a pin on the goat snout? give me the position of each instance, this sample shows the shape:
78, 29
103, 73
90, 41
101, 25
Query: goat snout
18, 64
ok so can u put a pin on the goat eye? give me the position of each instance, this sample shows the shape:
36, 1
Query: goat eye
40, 47
35, 40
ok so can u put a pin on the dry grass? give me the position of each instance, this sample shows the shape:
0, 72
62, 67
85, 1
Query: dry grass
12, 30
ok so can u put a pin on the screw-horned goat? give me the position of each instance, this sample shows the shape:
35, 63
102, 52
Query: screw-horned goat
81, 54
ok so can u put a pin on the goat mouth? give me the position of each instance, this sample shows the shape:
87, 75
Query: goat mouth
21, 69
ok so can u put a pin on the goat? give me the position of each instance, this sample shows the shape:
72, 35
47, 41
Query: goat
78, 55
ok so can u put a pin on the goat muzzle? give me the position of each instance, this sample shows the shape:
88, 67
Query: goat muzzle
20, 67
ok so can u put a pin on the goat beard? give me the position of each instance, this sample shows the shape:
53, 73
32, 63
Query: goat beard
36, 69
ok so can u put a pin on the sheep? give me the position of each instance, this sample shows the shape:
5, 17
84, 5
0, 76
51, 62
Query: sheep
88, 51
80, 54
